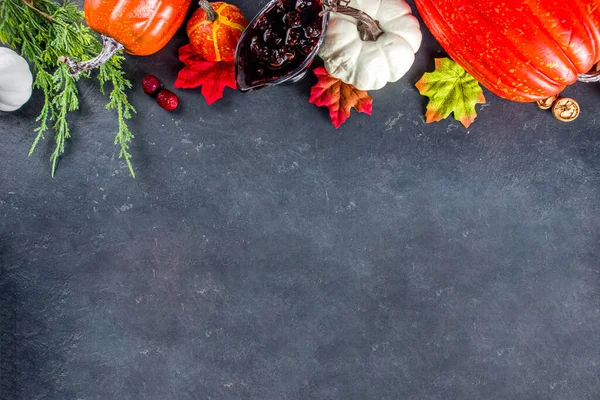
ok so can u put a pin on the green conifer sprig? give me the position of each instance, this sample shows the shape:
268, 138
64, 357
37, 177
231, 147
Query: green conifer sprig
43, 31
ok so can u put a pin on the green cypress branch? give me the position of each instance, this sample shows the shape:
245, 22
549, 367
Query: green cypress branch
43, 31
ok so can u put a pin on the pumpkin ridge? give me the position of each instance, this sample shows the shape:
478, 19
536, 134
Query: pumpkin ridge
395, 17
505, 77
197, 25
388, 22
220, 8
517, 53
135, 34
147, 24
215, 28
594, 36
390, 62
387, 56
227, 22
355, 70
378, 8
482, 72
340, 47
215, 40
594, 46
542, 28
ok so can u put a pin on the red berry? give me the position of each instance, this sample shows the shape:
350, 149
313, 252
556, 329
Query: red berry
293, 19
313, 30
272, 37
303, 4
292, 37
167, 100
150, 84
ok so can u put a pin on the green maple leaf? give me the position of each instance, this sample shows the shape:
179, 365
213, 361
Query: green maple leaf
450, 89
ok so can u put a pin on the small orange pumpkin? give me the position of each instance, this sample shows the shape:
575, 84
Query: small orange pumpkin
215, 29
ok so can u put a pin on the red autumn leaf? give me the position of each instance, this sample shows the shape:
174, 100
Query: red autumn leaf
213, 76
339, 97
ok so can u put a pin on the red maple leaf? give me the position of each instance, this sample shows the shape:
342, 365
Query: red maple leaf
339, 97
213, 76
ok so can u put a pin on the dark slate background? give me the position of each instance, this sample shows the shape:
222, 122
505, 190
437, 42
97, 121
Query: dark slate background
261, 254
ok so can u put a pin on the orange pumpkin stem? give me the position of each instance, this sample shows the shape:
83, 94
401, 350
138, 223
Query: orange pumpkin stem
211, 14
109, 47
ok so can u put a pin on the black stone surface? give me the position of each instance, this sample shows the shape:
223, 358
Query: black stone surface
261, 254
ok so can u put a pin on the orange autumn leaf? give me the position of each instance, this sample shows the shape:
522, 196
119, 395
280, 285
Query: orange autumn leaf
339, 97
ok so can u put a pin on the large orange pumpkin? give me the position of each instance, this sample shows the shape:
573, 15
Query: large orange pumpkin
522, 50
140, 27
215, 29
143, 27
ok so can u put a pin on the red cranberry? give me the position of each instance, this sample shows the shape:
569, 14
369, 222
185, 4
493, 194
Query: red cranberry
303, 4
280, 8
306, 46
289, 53
259, 49
263, 23
151, 85
293, 19
277, 59
313, 30
281, 56
292, 37
167, 100
272, 37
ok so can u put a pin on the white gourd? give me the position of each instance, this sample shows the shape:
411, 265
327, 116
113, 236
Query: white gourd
15, 80
370, 65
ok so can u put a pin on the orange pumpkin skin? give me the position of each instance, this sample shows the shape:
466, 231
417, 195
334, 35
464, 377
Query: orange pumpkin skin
143, 27
216, 40
521, 50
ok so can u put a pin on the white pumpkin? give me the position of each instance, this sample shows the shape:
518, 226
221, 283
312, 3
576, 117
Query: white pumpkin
370, 65
15, 80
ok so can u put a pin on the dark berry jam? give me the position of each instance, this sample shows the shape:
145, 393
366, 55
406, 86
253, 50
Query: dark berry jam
279, 41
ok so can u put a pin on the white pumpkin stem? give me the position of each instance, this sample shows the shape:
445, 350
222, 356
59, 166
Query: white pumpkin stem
590, 77
109, 47
211, 14
367, 26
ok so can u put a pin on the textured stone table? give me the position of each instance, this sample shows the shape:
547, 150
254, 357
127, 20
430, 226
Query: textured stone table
261, 254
